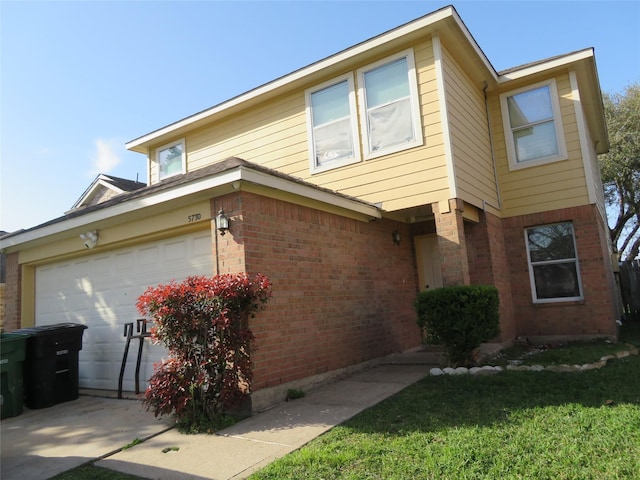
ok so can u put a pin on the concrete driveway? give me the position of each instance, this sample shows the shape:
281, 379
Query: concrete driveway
39, 444
42, 443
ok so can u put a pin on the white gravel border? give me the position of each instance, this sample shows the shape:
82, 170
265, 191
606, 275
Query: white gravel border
491, 370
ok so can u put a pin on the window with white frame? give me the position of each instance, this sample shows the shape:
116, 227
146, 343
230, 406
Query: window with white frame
533, 126
389, 107
333, 129
553, 263
171, 160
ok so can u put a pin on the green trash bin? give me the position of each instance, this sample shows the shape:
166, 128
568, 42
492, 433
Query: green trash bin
12, 353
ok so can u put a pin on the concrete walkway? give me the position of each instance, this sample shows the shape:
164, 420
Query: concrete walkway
41, 443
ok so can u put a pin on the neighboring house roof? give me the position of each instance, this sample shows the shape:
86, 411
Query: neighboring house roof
104, 187
193, 184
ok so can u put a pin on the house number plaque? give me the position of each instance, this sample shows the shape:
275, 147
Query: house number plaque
194, 218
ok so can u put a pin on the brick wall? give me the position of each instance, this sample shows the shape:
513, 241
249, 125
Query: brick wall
595, 315
12, 294
2, 288
343, 293
488, 265
452, 245
230, 248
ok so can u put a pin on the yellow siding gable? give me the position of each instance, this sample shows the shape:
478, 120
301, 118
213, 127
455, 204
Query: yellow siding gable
552, 186
274, 135
469, 132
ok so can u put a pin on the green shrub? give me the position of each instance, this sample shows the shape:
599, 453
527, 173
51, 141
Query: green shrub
460, 318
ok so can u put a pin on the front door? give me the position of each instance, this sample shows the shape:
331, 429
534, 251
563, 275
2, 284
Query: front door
428, 257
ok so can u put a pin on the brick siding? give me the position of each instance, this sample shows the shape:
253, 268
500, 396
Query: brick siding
452, 245
596, 314
12, 294
343, 293
2, 289
488, 265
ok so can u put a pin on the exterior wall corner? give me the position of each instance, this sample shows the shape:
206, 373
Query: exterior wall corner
452, 244
12, 294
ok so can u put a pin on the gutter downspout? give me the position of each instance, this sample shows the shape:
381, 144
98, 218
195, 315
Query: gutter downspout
493, 153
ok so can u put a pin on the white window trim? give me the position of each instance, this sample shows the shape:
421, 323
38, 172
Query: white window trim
353, 121
414, 102
184, 157
557, 121
532, 280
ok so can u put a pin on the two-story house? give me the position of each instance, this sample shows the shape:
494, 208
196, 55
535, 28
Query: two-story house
403, 163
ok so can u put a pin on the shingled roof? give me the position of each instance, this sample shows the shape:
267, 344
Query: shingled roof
179, 180
105, 187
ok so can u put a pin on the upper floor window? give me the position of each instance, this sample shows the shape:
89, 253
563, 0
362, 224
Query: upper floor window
553, 263
332, 124
390, 112
171, 160
533, 125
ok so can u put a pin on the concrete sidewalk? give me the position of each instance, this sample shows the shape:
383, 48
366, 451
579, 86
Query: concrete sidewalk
45, 442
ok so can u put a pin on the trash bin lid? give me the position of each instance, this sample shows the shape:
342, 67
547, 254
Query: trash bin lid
49, 329
12, 337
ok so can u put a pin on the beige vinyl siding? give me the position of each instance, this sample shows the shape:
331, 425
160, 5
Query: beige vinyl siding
266, 135
469, 131
551, 186
598, 188
409, 178
591, 162
274, 134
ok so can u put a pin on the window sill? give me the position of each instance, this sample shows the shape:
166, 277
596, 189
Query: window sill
391, 150
556, 303
333, 165
513, 166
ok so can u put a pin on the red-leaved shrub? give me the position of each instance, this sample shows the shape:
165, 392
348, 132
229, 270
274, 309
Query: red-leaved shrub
204, 322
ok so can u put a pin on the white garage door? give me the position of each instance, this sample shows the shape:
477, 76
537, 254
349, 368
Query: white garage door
101, 291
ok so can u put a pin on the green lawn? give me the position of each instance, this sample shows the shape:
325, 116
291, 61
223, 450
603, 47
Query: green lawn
513, 425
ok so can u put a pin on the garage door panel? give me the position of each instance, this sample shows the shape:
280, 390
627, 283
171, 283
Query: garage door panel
100, 264
98, 334
176, 251
100, 371
149, 256
202, 246
124, 260
101, 291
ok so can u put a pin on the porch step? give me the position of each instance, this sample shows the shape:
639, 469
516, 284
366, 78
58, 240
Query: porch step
424, 356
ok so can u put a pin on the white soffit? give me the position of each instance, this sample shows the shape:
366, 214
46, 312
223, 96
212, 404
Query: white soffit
546, 65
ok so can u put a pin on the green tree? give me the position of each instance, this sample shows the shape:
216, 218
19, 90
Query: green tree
621, 170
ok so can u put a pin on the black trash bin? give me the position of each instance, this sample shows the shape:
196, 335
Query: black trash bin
51, 364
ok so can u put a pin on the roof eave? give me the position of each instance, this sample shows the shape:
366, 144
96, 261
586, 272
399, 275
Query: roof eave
446, 17
191, 190
560, 61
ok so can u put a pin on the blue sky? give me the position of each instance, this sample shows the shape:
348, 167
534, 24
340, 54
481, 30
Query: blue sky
78, 79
